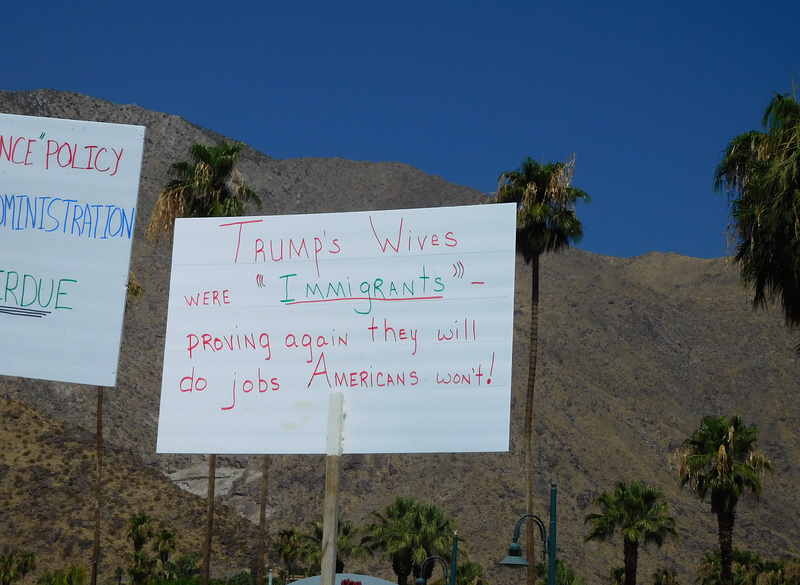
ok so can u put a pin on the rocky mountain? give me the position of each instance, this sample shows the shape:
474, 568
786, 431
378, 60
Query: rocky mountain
633, 352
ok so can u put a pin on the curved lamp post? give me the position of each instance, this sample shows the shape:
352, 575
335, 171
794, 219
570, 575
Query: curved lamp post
515, 558
453, 565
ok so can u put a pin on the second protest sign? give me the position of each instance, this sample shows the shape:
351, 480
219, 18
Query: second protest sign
409, 313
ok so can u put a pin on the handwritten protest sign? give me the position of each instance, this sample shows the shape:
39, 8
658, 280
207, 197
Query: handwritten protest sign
408, 313
68, 193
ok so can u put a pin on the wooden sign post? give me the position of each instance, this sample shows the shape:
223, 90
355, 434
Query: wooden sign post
333, 474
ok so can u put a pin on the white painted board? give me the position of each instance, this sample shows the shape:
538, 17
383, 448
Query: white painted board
409, 313
68, 192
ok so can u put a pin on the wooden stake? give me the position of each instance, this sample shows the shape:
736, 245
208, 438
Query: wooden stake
262, 522
212, 476
333, 469
98, 459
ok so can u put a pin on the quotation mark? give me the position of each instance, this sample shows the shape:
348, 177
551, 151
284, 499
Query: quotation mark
260, 280
458, 270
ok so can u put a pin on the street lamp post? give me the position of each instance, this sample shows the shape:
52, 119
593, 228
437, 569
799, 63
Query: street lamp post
515, 558
453, 565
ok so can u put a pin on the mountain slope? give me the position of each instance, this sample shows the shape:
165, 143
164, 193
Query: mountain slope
47, 472
633, 352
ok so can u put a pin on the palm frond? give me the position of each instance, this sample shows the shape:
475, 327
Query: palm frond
210, 186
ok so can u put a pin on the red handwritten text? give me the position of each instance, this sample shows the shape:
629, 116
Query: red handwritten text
310, 342
209, 297
393, 333
14, 153
247, 386
89, 158
231, 342
412, 242
367, 378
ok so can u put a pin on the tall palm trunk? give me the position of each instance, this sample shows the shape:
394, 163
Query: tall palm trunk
631, 553
532, 359
401, 565
725, 519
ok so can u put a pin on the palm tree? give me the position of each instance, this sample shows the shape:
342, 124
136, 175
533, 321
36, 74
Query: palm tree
664, 576
164, 544
47, 578
407, 532
346, 544
8, 568
186, 566
616, 575
312, 549
722, 459
745, 567
432, 532
760, 173
641, 515
26, 563
74, 575
565, 575
141, 567
210, 186
389, 535
139, 529
288, 548
546, 222
470, 573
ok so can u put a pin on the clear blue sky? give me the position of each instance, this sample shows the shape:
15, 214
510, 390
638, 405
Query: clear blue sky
647, 94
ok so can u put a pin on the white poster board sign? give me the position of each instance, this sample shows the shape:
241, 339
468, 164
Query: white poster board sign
408, 313
68, 193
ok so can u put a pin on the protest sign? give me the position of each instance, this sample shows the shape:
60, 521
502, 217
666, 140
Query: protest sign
68, 192
409, 313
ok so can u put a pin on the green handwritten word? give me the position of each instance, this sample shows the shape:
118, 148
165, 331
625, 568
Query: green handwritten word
23, 290
366, 292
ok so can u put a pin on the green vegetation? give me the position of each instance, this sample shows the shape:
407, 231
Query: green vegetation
546, 222
760, 173
142, 568
407, 532
287, 544
15, 566
165, 543
348, 544
469, 573
72, 575
139, 529
210, 186
565, 575
640, 514
721, 459
748, 568
664, 576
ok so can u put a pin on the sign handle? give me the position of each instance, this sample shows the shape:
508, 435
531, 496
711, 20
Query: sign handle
333, 472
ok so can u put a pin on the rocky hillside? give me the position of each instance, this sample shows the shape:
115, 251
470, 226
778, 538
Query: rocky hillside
47, 472
633, 352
